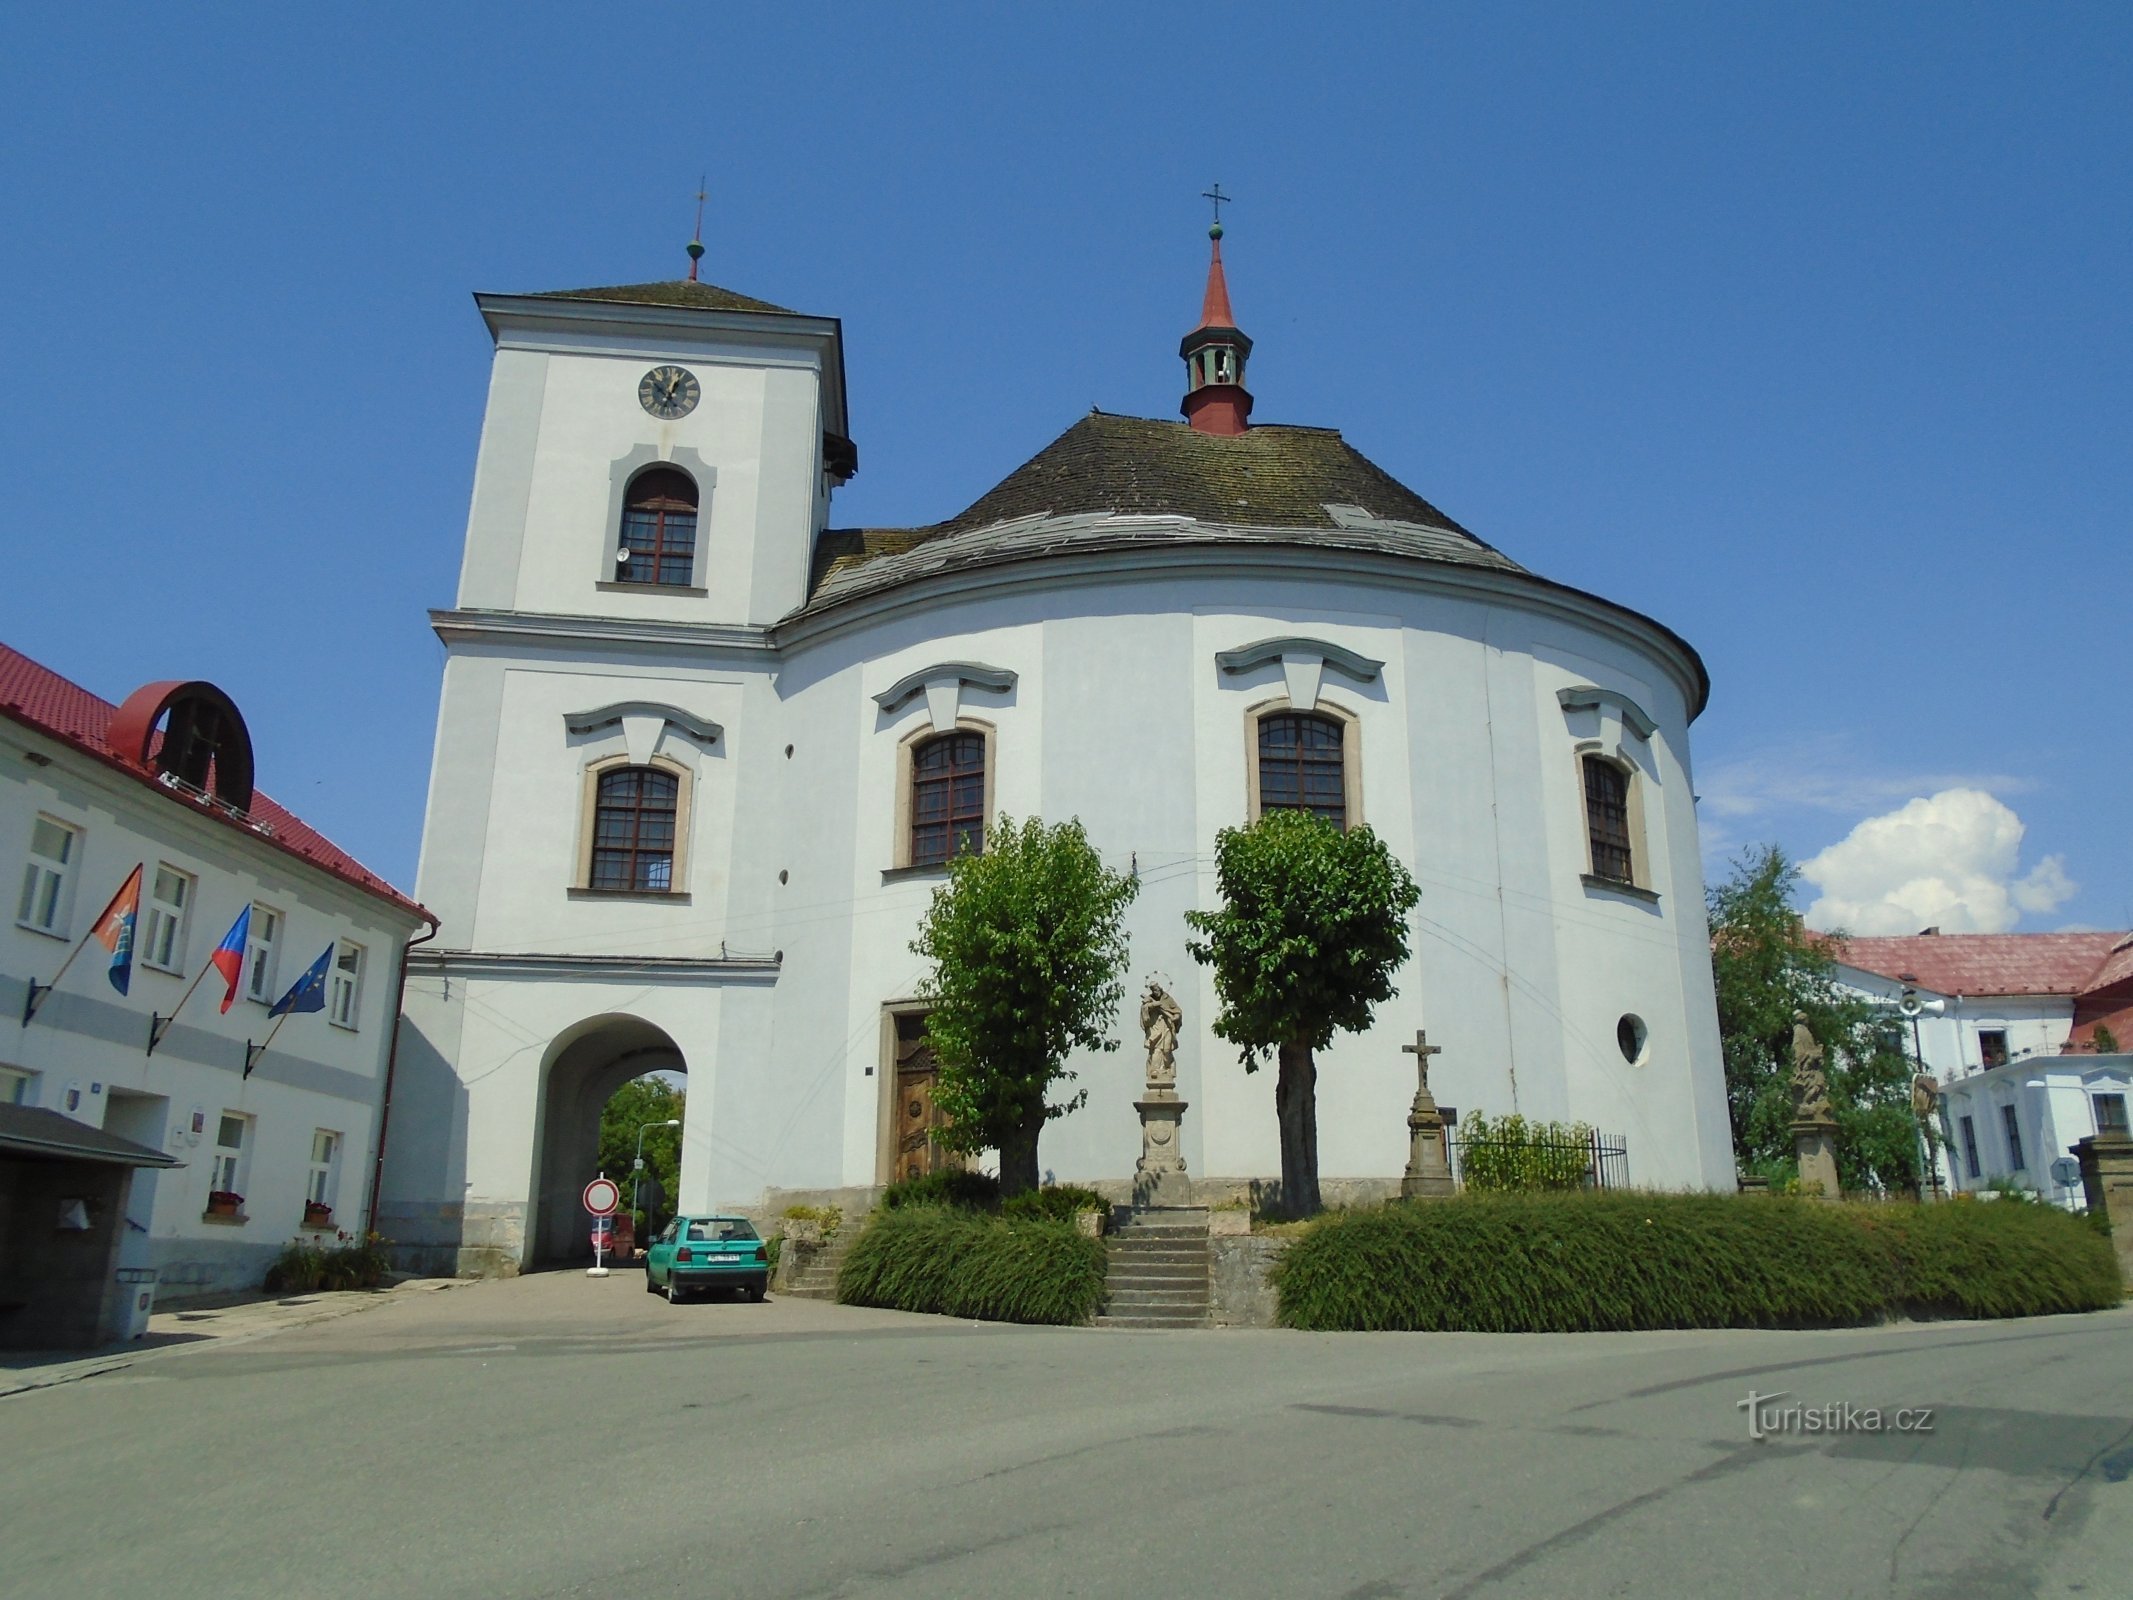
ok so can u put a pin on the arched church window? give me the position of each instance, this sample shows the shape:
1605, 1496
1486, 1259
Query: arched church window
633, 830
659, 529
1302, 765
1607, 819
947, 797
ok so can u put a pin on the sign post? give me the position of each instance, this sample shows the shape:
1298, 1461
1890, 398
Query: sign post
602, 1196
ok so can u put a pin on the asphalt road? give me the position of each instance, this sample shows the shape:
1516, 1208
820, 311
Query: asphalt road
561, 1436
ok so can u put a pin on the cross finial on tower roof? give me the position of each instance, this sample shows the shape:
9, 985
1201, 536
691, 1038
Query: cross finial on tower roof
696, 240
1218, 197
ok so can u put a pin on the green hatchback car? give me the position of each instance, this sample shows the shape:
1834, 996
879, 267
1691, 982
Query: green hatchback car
693, 1253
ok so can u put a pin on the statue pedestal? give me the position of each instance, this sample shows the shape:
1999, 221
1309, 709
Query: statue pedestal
2107, 1185
1815, 1141
1429, 1168
1159, 1178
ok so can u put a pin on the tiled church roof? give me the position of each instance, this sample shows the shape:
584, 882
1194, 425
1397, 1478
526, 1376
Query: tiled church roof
1271, 484
1267, 477
678, 292
37, 697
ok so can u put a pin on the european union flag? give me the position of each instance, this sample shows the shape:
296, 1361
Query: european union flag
308, 993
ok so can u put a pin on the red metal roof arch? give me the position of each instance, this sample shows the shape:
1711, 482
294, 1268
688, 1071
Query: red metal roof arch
205, 742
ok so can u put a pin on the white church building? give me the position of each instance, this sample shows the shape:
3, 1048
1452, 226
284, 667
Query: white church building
701, 760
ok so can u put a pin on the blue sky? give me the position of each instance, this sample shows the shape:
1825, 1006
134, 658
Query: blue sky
1803, 328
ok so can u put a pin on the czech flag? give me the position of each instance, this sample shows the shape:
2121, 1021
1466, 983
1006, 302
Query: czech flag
114, 930
228, 958
308, 993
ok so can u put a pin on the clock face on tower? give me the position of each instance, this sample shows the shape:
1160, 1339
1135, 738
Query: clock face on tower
668, 392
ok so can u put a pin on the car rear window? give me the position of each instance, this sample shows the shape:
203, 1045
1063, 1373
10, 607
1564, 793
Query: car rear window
713, 1230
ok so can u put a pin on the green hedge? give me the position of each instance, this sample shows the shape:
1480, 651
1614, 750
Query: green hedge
1575, 1263
971, 1264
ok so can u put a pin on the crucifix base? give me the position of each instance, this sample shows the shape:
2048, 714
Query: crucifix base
1429, 1169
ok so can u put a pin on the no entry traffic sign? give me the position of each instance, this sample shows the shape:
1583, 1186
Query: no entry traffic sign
602, 1197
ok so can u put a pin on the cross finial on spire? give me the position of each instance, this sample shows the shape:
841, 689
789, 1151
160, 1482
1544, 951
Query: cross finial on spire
696, 240
1218, 197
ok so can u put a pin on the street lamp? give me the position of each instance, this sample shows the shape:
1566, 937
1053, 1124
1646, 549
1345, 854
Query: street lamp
637, 1186
671, 1122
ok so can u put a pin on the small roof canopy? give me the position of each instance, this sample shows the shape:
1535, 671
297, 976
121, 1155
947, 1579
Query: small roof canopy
33, 1133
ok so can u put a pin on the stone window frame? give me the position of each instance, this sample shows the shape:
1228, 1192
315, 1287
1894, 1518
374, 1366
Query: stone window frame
1640, 868
1351, 721
623, 471
1620, 717
906, 751
581, 884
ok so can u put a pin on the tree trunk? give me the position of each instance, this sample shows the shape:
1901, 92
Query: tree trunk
1018, 1158
1296, 1103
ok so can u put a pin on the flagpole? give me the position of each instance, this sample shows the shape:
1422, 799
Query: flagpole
38, 991
252, 1052
159, 1025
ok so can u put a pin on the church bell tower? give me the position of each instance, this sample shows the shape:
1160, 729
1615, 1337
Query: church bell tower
1216, 400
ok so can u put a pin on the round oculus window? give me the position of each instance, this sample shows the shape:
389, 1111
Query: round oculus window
1632, 1038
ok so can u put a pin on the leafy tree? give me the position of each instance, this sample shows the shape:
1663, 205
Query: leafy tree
1767, 964
1028, 946
628, 1109
1312, 926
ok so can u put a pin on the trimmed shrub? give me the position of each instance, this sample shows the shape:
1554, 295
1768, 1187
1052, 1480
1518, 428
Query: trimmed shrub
969, 1264
975, 1190
1575, 1263
1999, 1259
1060, 1202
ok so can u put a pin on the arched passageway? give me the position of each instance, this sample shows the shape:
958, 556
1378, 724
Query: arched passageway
585, 1066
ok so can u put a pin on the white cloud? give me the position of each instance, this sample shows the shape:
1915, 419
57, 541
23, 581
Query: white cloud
1949, 860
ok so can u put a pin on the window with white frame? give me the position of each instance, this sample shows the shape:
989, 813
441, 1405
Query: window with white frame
344, 985
2110, 1114
261, 945
47, 876
233, 1153
325, 1180
15, 1086
168, 905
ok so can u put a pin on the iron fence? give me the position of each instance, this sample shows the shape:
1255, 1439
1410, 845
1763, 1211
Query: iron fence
1598, 1161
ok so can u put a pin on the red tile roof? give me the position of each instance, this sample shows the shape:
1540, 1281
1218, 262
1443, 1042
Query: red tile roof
1993, 963
39, 698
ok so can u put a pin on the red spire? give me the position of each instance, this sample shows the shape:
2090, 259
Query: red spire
1216, 400
1214, 308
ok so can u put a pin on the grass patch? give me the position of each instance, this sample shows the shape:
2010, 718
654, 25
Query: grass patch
307, 1268
963, 1263
1577, 1263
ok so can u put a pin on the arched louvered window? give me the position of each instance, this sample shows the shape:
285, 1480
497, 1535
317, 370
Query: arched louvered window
1302, 765
947, 797
1607, 819
634, 828
659, 529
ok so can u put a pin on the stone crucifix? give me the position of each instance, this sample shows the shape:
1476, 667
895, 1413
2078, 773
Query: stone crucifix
1429, 1168
1422, 1050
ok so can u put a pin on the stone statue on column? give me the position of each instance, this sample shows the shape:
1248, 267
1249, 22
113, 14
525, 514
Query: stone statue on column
1160, 1178
1814, 1125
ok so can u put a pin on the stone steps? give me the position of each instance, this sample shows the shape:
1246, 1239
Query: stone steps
814, 1278
1158, 1272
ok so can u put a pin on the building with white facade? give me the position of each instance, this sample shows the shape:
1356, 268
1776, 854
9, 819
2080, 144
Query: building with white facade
701, 760
89, 792
2026, 1034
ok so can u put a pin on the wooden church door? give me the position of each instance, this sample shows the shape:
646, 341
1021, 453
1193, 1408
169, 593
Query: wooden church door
918, 1116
